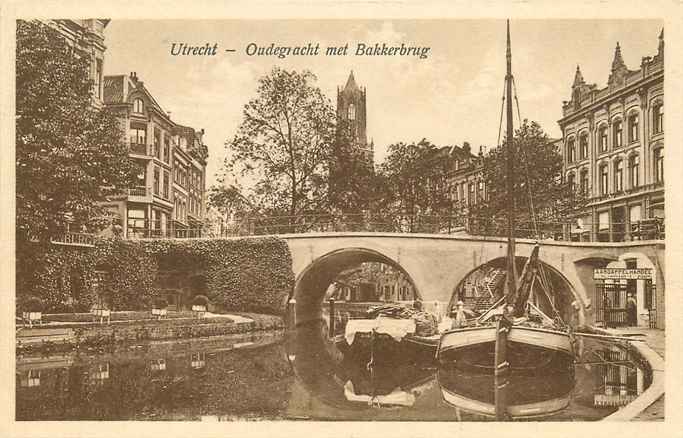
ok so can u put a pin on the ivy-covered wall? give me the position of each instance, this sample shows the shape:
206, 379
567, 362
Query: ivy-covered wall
250, 274
65, 277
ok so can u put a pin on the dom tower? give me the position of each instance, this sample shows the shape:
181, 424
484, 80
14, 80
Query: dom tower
351, 115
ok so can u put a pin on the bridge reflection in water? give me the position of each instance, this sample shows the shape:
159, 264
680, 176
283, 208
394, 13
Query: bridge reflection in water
302, 375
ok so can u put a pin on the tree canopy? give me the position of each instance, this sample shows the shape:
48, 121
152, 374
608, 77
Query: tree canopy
283, 146
414, 181
352, 180
541, 195
70, 155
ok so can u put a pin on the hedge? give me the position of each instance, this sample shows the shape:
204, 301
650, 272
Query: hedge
65, 276
243, 275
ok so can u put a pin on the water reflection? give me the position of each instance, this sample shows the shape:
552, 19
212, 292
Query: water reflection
305, 376
527, 396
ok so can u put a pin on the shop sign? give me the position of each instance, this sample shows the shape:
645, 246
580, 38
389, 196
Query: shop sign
622, 274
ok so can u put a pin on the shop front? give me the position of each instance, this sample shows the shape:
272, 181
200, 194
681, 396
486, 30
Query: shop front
625, 295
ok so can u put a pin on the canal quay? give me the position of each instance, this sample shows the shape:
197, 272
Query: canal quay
324, 273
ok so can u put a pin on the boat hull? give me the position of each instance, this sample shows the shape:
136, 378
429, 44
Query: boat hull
529, 348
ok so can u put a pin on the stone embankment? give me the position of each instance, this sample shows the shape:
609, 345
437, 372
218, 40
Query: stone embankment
65, 335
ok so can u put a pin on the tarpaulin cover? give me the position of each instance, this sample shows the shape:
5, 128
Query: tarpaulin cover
396, 328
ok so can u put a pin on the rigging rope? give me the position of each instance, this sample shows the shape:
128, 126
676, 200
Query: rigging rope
534, 223
502, 108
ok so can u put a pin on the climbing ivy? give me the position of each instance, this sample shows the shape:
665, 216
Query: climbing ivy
66, 277
251, 274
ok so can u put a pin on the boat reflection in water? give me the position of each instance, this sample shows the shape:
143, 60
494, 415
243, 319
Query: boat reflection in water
526, 396
348, 382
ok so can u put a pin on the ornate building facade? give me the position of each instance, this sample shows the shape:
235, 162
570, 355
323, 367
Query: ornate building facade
613, 150
169, 198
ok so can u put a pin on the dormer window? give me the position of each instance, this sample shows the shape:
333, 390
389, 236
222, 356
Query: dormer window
138, 106
352, 112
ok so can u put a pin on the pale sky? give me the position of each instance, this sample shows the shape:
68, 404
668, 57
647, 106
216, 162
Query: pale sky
452, 96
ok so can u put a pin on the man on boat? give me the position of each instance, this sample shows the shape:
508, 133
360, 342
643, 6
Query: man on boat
461, 313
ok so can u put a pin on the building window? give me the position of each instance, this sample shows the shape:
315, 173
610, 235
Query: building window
583, 182
156, 180
571, 182
166, 185
571, 151
138, 106
659, 165
352, 111
619, 176
167, 149
471, 200
658, 119
583, 146
138, 135
603, 172
602, 132
136, 222
618, 132
634, 213
633, 128
157, 143
603, 226
634, 171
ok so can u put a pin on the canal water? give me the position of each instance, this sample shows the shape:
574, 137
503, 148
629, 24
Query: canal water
302, 374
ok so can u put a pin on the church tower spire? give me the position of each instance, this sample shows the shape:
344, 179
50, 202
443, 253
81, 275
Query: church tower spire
351, 83
578, 78
618, 61
351, 116
617, 76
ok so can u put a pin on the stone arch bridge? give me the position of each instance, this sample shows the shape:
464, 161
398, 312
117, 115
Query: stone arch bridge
436, 264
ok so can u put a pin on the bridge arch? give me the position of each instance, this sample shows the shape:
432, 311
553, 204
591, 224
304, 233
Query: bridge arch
312, 283
569, 298
437, 263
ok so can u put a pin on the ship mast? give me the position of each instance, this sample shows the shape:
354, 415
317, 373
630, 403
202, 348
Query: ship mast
511, 269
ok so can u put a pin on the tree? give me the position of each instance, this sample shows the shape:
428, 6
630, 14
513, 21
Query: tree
235, 209
70, 155
415, 182
352, 180
283, 146
542, 198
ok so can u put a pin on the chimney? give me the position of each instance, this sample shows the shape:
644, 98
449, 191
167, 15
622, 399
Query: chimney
168, 113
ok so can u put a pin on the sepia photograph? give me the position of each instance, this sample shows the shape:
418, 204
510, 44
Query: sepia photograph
375, 220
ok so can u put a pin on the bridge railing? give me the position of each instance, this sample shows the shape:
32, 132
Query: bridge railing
646, 229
